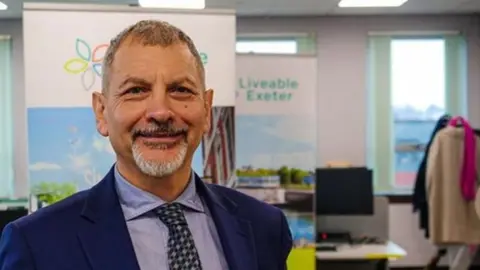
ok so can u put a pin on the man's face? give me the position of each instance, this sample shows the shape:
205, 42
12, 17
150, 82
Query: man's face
156, 108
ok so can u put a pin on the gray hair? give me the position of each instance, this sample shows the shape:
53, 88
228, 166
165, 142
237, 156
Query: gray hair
149, 33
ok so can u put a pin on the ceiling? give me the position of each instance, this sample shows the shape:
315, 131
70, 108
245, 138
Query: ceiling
293, 7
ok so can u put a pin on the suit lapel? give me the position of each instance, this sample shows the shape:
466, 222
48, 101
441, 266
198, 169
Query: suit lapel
104, 235
106, 241
235, 234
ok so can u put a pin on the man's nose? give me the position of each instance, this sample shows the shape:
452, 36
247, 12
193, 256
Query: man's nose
159, 108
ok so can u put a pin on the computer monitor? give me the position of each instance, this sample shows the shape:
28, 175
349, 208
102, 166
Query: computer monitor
344, 191
11, 214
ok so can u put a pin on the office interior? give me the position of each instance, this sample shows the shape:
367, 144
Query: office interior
339, 39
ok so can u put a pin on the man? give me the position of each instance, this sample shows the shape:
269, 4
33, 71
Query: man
151, 211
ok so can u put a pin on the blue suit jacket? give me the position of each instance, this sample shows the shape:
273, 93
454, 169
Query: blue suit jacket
87, 231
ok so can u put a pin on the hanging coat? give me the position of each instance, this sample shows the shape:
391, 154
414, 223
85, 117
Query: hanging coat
419, 198
452, 219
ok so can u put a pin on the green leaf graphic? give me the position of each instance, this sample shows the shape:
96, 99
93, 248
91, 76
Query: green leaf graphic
75, 65
83, 50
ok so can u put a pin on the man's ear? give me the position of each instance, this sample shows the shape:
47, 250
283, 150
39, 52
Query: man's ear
98, 105
208, 109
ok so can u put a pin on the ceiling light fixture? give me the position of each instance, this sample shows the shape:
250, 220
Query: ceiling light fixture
370, 3
180, 4
3, 6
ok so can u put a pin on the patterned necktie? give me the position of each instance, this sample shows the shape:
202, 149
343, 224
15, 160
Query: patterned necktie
182, 253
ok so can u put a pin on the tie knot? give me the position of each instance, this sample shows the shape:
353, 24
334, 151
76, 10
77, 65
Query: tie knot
171, 214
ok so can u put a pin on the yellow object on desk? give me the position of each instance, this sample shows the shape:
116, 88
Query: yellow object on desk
380, 256
301, 259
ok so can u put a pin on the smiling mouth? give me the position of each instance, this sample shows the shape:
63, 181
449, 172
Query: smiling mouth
165, 138
168, 139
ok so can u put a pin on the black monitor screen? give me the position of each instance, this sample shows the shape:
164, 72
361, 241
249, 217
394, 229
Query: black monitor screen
344, 191
9, 215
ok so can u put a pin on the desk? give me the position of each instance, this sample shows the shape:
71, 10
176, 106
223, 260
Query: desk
348, 254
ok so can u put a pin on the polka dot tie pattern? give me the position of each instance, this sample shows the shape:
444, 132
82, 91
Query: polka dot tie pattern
182, 253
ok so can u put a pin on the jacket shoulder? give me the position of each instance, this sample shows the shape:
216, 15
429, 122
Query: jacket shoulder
57, 213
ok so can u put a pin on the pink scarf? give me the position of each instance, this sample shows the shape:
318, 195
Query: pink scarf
468, 175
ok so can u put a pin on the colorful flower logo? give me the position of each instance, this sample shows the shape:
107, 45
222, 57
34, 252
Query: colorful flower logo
88, 63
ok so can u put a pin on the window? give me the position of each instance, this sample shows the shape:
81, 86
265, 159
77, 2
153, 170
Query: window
265, 46
6, 120
424, 79
418, 101
303, 44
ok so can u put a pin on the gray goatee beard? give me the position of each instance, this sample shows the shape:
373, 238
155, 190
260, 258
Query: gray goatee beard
156, 168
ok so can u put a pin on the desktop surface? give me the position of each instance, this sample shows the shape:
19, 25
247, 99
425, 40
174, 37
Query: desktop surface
368, 240
388, 250
326, 247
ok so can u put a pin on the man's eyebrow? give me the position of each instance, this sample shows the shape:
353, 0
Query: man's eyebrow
182, 80
134, 80
175, 82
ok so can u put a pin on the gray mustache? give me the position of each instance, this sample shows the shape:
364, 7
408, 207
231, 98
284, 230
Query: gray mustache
159, 131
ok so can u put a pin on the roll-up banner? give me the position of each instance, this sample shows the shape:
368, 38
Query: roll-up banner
64, 46
276, 141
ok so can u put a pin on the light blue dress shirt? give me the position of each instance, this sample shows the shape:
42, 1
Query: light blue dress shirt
150, 236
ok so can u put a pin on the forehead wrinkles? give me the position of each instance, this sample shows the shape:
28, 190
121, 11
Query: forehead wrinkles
150, 62
159, 38
167, 39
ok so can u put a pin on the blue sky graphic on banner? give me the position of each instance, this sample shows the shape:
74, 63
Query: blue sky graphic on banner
65, 147
275, 141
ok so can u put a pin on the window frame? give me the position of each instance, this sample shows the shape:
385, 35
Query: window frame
306, 43
265, 40
7, 183
459, 97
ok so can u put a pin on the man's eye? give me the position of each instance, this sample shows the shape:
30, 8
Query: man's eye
182, 90
135, 90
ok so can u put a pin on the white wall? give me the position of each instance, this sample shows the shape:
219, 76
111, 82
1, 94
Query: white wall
342, 107
341, 95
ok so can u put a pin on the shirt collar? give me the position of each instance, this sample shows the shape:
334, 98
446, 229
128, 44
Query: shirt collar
136, 202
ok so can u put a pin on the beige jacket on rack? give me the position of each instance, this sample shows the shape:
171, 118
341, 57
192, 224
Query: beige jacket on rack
452, 220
